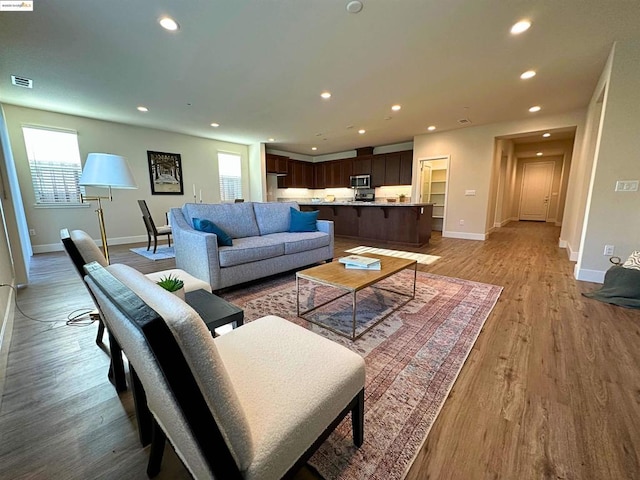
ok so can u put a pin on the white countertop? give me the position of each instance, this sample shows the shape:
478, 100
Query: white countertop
366, 204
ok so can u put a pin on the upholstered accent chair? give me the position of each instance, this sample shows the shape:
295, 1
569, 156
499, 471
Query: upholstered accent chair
254, 403
152, 230
83, 250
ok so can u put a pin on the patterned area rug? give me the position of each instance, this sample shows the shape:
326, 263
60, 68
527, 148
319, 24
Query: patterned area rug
412, 360
419, 257
162, 253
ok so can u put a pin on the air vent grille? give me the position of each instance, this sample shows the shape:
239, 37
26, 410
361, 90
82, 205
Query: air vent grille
21, 81
464, 121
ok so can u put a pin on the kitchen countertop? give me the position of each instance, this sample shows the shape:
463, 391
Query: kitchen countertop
366, 204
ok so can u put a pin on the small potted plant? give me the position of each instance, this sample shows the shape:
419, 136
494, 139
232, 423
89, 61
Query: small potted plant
401, 197
172, 284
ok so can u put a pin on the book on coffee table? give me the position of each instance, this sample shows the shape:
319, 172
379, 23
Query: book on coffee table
353, 266
358, 261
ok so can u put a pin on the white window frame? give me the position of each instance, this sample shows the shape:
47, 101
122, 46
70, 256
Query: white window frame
230, 176
54, 164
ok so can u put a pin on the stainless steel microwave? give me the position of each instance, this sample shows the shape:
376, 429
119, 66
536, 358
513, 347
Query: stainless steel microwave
360, 181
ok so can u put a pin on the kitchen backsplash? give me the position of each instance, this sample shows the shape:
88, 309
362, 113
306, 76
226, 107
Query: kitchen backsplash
340, 194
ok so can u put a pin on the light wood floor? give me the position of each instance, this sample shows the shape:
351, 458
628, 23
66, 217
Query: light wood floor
550, 390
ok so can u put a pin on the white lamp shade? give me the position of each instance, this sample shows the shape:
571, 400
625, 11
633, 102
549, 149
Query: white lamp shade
107, 170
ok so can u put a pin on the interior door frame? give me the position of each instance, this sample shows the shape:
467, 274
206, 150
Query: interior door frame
447, 159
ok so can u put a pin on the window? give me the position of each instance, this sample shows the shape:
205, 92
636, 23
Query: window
229, 167
54, 160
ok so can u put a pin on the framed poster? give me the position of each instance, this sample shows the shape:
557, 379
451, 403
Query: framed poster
165, 173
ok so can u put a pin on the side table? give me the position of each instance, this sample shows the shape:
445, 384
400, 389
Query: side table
214, 310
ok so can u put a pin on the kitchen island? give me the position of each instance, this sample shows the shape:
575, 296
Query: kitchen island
401, 223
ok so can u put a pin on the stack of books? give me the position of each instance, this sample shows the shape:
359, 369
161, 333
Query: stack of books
357, 262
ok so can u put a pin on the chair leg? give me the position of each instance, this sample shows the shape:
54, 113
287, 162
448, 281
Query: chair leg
143, 415
158, 439
148, 241
100, 332
357, 420
116, 369
155, 243
169, 239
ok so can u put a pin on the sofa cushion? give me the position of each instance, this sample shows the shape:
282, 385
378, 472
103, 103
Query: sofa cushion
303, 221
250, 249
237, 219
208, 226
301, 242
273, 217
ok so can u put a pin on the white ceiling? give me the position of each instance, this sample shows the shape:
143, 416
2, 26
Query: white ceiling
258, 67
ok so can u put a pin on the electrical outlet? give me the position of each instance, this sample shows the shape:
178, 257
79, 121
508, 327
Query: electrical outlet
608, 250
461, 222
32, 232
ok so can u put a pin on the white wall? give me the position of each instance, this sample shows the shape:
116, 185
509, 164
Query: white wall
614, 217
472, 165
122, 216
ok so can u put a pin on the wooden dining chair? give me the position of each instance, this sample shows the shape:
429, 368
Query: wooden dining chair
152, 230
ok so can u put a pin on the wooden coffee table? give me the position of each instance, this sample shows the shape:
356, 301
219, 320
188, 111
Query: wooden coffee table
335, 274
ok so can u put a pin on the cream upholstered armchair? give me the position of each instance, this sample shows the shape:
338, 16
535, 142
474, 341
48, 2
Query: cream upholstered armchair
253, 403
83, 250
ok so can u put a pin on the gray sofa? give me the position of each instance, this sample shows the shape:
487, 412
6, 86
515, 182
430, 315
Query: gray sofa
262, 244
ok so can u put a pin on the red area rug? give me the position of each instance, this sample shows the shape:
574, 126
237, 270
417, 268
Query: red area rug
412, 360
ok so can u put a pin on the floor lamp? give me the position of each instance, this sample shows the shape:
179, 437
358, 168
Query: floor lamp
106, 171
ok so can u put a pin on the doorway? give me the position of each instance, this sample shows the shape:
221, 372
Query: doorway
434, 176
537, 179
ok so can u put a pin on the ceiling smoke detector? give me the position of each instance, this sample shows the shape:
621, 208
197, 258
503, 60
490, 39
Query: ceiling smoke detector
354, 7
21, 81
464, 121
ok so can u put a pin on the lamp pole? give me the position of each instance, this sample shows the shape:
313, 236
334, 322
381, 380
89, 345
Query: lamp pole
103, 231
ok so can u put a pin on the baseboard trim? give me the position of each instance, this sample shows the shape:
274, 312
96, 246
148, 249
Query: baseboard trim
594, 276
57, 247
6, 329
465, 235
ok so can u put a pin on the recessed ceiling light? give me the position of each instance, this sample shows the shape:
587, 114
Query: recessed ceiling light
272, 139
431, 128
314, 148
215, 125
354, 6
539, 154
521, 26
395, 108
326, 95
169, 23
142, 109
528, 74
546, 135
362, 131
535, 109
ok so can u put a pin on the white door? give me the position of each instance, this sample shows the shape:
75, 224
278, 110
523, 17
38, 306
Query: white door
536, 189
425, 182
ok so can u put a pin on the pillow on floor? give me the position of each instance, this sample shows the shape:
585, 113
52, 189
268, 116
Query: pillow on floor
303, 221
633, 261
224, 240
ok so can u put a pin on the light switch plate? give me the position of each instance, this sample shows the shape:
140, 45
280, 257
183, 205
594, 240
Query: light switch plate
470, 193
627, 186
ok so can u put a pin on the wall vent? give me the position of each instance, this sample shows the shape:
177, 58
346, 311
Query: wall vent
21, 81
464, 121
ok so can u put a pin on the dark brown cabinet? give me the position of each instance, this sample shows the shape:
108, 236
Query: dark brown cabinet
277, 163
406, 167
300, 175
362, 165
319, 175
385, 169
392, 169
378, 168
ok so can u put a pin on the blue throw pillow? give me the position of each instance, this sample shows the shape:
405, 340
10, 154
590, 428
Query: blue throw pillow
208, 226
303, 221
